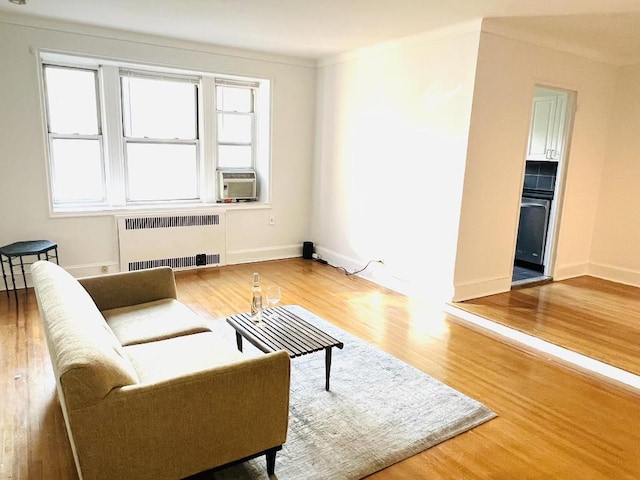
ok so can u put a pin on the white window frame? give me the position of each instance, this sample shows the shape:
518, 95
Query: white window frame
126, 140
51, 136
113, 141
253, 86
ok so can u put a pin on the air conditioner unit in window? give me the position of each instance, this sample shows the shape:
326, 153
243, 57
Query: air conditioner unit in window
236, 185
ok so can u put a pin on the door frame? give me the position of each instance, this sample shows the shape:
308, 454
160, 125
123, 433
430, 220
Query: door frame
555, 213
558, 196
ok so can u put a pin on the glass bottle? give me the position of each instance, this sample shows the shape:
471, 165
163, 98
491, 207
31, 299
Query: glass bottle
256, 299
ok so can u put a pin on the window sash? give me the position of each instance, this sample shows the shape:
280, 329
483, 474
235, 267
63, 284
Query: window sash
224, 116
59, 167
77, 176
186, 175
96, 96
127, 113
221, 113
133, 195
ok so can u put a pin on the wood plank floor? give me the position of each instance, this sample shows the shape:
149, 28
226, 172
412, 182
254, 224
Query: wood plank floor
552, 422
594, 317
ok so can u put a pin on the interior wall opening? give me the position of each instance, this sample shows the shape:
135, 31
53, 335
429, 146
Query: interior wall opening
545, 165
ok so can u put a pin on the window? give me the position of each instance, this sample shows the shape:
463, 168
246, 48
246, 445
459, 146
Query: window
122, 135
75, 140
236, 127
160, 120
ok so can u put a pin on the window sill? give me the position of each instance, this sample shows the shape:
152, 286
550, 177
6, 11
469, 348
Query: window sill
60, 212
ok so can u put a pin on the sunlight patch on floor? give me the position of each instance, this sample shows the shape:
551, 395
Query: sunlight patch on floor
569, 356
432, 324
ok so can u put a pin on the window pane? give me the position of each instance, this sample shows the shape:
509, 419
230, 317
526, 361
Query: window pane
234, 99
234, 128
71, 97
155, 108
162, 172
77, 170
234, 156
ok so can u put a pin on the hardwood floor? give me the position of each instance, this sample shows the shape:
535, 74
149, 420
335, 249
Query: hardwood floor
552, 422
597, 318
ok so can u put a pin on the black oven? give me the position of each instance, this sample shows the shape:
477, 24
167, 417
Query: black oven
532, 228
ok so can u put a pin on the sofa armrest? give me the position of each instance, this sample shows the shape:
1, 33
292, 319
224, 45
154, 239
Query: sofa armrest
130, 288
188, 424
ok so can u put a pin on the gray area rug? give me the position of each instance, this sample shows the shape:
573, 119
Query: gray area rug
379, 411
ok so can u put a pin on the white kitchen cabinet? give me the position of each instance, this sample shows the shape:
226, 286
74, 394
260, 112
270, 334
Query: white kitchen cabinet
546, 134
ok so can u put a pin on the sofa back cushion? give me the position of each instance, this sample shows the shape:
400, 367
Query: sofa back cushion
87, 358
134, 288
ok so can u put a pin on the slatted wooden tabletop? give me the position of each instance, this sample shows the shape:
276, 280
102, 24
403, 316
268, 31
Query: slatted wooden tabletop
282, 330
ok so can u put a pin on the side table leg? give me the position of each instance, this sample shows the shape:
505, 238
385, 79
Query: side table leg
239, 341
24, 277
4, 276
13, 279
327, 366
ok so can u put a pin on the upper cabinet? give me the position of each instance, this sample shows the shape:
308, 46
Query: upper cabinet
546, 134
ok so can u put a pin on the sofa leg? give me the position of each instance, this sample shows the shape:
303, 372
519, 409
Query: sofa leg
271, 460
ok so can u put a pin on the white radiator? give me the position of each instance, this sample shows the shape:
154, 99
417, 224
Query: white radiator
180, 241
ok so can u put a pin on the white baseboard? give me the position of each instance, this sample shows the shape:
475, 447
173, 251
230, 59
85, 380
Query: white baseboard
113, 266
615, 274
481, 288
562, 272
376, 273
234, 257
383, 275
77, 271
92, 269
612, 273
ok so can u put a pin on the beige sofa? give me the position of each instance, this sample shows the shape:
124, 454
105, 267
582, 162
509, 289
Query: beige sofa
147, 390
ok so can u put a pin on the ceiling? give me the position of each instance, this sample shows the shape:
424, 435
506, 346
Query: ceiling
605, 29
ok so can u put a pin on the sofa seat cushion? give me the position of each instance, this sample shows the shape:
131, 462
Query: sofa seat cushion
152, 321
179, 356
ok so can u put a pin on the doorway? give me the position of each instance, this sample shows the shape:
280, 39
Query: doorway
545, 160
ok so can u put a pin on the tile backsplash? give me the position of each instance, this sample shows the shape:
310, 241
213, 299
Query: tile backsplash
540, 175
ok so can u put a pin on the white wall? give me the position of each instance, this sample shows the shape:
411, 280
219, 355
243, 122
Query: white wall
391, 145
617, 234
85, 243
508, 71
395, 142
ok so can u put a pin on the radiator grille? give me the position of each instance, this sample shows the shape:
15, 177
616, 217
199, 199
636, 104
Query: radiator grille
180, 240
170, 222
179, 262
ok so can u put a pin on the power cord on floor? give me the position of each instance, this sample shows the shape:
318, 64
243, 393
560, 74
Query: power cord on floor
317, 258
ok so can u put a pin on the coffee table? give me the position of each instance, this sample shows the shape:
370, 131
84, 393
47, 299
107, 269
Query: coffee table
282, 330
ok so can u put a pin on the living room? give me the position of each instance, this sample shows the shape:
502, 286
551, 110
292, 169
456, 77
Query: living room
351, 216
355, 137
340, 191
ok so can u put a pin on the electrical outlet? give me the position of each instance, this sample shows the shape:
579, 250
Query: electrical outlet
272, 219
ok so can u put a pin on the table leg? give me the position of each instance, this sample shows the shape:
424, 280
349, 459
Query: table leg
13, 279
239, 341
327, 366
4, 276
24, 277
